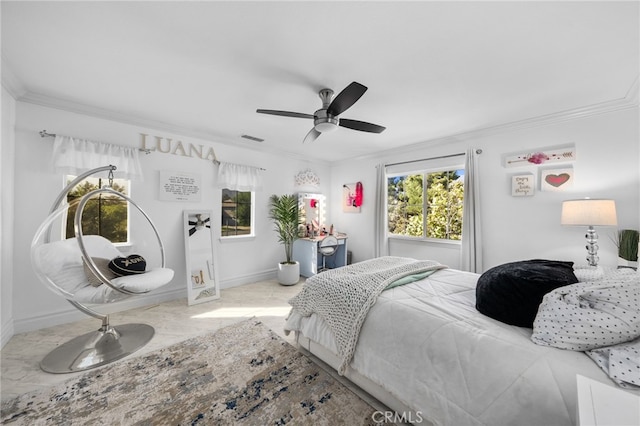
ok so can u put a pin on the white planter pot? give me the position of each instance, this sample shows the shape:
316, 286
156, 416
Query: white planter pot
627, 263
288, 273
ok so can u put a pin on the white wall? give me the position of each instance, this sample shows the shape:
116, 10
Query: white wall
36, 186
514, 228
7, 168
517, 228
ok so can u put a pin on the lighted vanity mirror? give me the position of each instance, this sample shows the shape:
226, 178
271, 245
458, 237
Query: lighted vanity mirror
312, 207
202, 275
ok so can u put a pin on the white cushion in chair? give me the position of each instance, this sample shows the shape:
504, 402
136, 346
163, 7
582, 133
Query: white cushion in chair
150, 280
61, 262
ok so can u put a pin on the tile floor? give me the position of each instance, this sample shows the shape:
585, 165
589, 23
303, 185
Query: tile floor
173, 321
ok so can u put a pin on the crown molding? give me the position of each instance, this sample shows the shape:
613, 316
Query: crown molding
78, 108
10, 81
20, 93
633, 94
629, 101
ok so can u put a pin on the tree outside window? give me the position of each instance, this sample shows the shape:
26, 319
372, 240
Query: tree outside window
237, 209
105, 215
439, 194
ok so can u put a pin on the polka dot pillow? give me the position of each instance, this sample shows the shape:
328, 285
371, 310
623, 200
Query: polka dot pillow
586, 316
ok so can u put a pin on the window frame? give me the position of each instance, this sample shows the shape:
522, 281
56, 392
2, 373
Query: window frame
120, 181
424, 171
252, 232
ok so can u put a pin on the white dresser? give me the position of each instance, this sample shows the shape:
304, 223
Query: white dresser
305, 251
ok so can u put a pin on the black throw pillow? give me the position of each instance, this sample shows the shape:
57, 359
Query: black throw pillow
512, 292
130, 265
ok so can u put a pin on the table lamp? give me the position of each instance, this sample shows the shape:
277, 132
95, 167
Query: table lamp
589, 212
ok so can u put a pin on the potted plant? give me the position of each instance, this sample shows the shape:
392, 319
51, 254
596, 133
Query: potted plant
283, 210
627, 244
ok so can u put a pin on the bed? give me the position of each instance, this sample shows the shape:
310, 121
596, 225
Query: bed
426, 352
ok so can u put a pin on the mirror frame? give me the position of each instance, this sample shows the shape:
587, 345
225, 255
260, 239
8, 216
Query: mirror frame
200, 260
322, 217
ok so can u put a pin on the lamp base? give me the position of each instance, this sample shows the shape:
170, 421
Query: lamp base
592, 246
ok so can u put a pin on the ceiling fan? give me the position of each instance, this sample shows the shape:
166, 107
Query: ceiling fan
198, 224
326, 118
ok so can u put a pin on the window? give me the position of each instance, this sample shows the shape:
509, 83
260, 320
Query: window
426, 204
104, 215
237, 213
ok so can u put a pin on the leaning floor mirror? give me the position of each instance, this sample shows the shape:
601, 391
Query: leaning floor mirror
202, 276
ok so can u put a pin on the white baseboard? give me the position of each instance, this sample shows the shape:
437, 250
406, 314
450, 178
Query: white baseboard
71, 314
6, 332
239, 280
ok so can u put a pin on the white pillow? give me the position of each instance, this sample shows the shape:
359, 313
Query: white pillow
61, 261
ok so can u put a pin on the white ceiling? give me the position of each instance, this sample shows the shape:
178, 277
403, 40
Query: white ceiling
433, 69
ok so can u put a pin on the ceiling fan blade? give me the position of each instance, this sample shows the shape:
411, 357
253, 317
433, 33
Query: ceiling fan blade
285, 113
206, 220
361, 125
311, 136
192, 231
346, 98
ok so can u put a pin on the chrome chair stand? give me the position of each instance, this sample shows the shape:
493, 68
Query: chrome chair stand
97, 348
327, 248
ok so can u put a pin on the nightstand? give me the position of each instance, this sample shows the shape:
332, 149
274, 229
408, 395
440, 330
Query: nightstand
600, 404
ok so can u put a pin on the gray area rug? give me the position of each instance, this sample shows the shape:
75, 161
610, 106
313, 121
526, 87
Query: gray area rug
243, 374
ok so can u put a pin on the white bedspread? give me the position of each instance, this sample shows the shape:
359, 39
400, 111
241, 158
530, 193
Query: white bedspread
342, 297
426, 344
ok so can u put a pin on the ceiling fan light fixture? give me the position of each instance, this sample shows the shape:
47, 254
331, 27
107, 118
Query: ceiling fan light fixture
327, 124
324, 122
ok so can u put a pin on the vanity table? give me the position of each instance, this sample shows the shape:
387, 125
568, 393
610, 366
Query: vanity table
305, 251
311, 210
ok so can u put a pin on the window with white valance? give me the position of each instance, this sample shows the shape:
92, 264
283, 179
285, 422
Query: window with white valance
239, 177
73, 156
239, 184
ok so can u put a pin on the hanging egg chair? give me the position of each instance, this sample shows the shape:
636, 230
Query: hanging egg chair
91, 270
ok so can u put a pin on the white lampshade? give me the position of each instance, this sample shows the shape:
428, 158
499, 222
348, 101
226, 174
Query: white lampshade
589, 212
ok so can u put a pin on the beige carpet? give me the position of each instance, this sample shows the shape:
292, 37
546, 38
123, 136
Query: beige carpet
243, 374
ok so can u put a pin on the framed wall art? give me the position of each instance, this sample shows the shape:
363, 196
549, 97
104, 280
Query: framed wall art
556, 179
352, 197
523, 185
540, 156
179, 186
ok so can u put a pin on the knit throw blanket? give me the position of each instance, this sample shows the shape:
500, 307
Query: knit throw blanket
342, 297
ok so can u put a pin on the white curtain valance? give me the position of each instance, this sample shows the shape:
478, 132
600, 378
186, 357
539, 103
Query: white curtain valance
239, 177
74, 156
